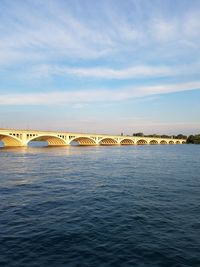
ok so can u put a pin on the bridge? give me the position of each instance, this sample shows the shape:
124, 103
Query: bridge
22, 138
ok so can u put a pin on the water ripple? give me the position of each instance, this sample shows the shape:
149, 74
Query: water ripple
102, 206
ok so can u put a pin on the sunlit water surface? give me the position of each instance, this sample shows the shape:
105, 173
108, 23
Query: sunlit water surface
100, 206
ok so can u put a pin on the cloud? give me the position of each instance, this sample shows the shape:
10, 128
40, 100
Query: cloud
26, 34
100, 95
31, 32
164, 30
104, 73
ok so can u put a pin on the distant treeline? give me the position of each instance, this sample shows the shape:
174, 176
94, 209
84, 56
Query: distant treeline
179, 136
193, 139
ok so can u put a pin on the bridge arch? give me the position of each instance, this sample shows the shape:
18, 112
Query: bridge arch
127, 141
153, 142
141, 142
171, 142
52, 140
83, 141
178, 142
10, 141
183, 142
163, 142
107, 141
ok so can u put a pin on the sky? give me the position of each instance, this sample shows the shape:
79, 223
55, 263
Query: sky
108, 66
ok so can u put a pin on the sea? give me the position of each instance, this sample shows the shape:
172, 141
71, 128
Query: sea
100, 206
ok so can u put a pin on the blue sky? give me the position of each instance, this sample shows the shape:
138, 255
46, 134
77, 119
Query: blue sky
106, 66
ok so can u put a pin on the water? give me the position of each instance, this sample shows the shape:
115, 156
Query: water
100, 206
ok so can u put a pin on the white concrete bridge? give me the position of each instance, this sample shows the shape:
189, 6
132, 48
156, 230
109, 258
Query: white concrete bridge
21, 138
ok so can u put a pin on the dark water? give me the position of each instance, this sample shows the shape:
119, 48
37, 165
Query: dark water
100, 206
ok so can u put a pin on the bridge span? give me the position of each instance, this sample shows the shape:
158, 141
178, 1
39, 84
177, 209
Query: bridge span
21, 138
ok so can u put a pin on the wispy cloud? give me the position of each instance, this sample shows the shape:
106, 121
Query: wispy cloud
89, 96
137, 71
27, 35
104, 73
58, 34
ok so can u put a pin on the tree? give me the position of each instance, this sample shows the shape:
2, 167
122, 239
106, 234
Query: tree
181, 136
138, 134
165, 136
194, 139
153, 135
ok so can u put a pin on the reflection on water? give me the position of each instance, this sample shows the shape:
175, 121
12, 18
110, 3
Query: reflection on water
100, 206
39, 144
